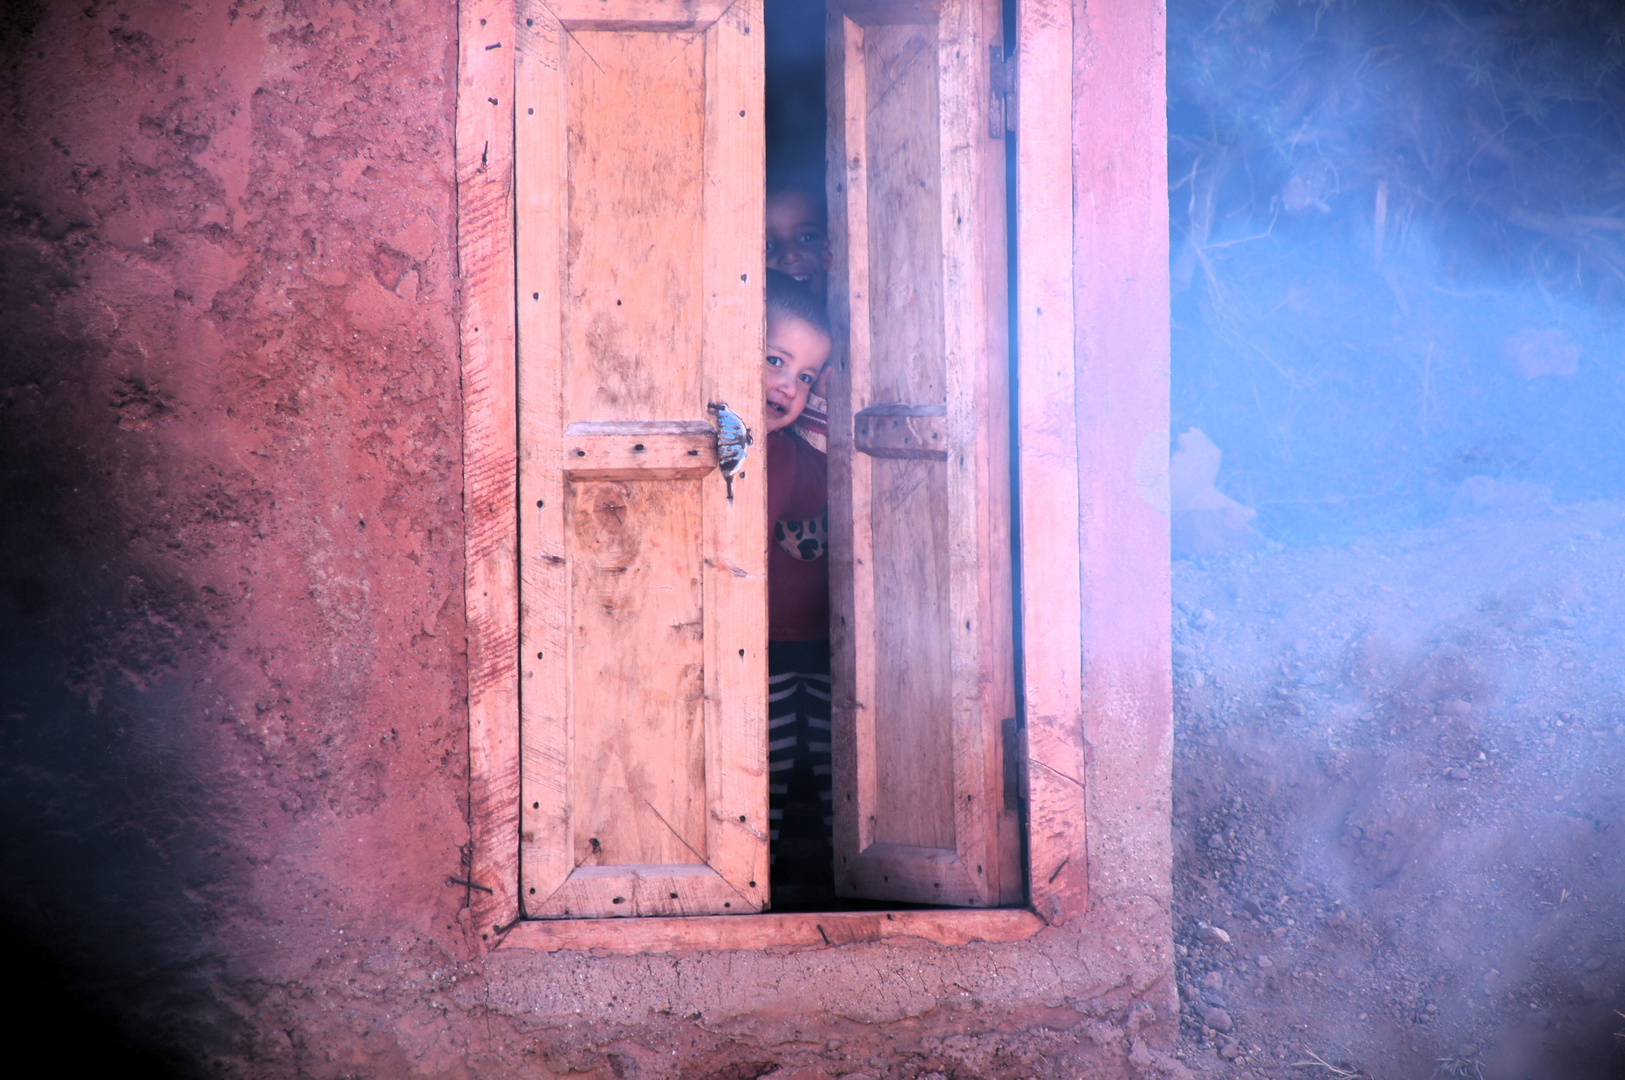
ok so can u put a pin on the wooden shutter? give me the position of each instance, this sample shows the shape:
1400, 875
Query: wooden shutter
638, 173
919, 457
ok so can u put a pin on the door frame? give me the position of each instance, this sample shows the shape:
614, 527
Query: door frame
1092, 416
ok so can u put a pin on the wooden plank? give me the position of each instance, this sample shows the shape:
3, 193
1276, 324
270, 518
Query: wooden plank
905, 239
644, 591
485, 269
902, 431
914, 743
928, 609
544, 654
769, 931
645, 15
907, 512
637, 174
1052, 613
736, 528
975, 348
640, 450
889, 12
632, 890
851, 554
637, 764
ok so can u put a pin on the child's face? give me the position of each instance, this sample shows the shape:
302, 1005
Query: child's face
796, 352
796, 243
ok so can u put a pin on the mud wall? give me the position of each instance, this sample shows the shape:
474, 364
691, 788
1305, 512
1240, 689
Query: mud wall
233, 745
232, 549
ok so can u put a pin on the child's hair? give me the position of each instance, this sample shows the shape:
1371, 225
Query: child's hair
787, 296
808, 185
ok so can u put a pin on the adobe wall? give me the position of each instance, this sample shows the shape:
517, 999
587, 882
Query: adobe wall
234, 725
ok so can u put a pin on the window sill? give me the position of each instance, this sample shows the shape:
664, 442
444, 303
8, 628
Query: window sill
811, 930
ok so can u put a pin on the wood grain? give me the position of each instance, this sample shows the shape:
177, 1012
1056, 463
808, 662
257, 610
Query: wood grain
485, 266
914, 743
889, 12
634, 228
902, 431
637, 14
736, 528
921, 598
640, 450
816, 931
1052, 612
906, 515
637, 765
1050, 444
644, 599
544, 654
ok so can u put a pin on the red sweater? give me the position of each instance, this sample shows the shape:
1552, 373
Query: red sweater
797, 515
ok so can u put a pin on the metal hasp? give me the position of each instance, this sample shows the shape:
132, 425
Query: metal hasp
732, 440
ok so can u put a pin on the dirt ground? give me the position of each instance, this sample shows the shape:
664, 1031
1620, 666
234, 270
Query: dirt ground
1399, 803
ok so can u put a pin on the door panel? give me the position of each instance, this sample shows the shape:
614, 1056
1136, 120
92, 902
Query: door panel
919, 459
643, 593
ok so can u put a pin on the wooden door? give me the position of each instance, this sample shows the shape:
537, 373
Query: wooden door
639, 178
919, 457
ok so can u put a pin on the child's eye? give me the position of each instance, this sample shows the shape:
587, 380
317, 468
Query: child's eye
809, 238
807, 378
774, 361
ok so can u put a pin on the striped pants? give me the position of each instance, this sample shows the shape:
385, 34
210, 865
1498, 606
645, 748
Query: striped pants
798, 763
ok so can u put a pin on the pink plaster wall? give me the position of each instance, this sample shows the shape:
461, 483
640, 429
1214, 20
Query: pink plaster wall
233, 745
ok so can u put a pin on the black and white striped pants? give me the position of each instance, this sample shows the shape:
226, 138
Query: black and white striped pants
798, 759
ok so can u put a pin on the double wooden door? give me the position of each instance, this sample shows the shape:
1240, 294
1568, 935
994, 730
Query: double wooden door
639, 180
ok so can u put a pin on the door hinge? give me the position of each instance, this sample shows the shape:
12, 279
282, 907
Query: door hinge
1001, 101
1014, 751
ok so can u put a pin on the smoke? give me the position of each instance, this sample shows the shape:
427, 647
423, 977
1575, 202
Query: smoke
1398, 266
1399, 261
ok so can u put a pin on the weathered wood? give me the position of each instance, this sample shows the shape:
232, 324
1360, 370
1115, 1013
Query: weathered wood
889, 12
919, 491
902, 431
485, 267
635, 177
1124, 573
644, 586
634, 450
851, 552
799, 931
736, 528
1120, 289
976, 349
544, 656
637, 14
1052, 612
636, 669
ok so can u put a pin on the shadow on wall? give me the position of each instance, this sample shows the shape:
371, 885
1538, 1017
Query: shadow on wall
230, 552
108, 847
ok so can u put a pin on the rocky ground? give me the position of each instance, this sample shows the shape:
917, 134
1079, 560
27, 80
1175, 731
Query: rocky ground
1399, 802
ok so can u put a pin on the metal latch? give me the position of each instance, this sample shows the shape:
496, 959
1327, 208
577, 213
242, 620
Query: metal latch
732, 439
1001, 101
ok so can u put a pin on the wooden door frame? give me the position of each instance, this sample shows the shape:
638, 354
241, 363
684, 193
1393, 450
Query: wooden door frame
1092, 447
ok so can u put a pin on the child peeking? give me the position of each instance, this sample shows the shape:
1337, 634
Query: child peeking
798, 245
798, 740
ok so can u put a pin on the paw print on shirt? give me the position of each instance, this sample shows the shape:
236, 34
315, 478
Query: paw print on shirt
804, 540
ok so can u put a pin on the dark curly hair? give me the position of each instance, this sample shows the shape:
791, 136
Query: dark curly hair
787, 296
